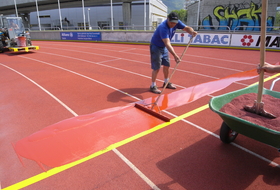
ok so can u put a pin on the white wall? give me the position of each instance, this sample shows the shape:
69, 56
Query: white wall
158, 11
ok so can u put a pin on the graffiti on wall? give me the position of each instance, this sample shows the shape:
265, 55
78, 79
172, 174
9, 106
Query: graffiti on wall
237, 17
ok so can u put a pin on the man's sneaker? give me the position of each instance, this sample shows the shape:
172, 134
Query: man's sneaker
169, 85
155, 90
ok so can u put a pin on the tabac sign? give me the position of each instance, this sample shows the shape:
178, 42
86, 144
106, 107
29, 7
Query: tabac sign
203, 39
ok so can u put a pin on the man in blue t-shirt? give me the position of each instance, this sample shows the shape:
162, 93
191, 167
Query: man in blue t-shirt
160, 46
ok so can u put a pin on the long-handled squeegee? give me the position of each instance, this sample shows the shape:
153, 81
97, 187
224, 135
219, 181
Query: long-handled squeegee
258, 107
150, 110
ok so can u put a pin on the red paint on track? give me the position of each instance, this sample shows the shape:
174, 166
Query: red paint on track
185, 96
78, 137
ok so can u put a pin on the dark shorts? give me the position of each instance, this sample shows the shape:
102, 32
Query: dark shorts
159, 56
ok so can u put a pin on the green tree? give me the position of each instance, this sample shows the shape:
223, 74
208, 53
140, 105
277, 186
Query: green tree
182, 14
174, 4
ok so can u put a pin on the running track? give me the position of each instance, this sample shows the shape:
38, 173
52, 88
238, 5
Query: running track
67, 79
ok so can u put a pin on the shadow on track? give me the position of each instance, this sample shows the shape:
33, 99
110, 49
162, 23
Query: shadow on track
117, 96
210, 164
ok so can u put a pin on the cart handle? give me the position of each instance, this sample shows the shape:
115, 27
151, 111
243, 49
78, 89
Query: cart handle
273, 83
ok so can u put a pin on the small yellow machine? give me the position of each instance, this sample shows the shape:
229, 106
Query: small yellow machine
13, 36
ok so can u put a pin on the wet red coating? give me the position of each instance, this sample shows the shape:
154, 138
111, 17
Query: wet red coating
78, 137
193, 93
271, 105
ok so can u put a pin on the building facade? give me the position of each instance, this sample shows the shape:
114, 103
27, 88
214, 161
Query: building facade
142, 15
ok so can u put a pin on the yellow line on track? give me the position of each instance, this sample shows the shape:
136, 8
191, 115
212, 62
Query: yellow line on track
267, 79
57, 170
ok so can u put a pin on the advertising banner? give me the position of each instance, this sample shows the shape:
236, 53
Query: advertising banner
202, 39
87, 36
248, 40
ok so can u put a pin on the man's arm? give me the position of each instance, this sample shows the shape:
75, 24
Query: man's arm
171, 49
190, 30
269, 68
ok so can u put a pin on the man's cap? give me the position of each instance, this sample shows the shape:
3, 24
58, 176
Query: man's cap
173, 17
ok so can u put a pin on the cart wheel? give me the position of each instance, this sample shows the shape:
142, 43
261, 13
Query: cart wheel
1, 47
227, 135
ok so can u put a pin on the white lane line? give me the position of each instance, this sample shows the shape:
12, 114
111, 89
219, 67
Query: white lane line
73, 72
257, 155
186, 62
42, 88
136, 170
100, 63
131, 49
132, 166
226, 60
234, 144
209, 132
207, 65
204, 57
242, 148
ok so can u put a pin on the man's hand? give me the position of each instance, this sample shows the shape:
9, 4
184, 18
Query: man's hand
194, 33
177, 59
268, 68
190, 30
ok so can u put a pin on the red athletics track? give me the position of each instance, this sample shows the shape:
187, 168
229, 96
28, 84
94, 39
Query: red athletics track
66, 79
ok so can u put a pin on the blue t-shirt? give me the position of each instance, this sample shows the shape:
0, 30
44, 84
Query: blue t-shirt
163, 31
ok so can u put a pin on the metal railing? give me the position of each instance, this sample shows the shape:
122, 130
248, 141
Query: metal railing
270, 29
81, 28
215, 28
67, 28
132, 27
210, 28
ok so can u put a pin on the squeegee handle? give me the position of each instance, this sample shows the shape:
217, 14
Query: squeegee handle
185, 50
262, 49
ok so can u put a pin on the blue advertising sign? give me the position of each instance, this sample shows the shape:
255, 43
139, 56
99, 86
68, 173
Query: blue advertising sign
87, 36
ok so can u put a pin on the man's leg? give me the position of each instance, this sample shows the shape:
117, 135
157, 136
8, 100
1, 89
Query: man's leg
155, 66
166, 78
153, 87
166, 72
166, 65
154, 75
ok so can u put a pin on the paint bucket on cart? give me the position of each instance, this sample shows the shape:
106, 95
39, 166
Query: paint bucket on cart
21, 41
